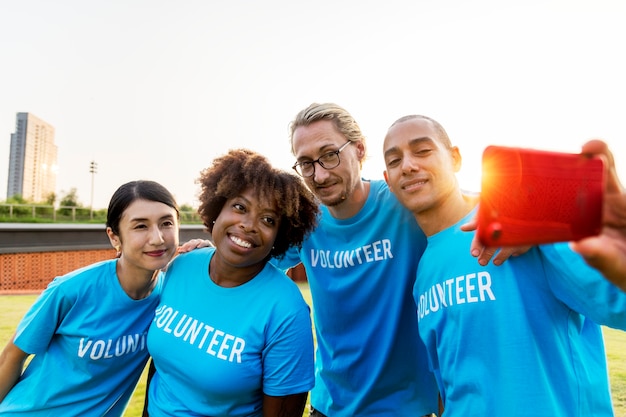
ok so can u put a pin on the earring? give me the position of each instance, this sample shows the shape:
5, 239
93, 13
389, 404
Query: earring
118, 251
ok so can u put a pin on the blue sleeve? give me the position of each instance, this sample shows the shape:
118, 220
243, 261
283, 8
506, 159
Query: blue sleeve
41, 321
582, 288
288, 360
291, 259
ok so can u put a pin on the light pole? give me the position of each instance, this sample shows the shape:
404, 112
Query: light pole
93, 169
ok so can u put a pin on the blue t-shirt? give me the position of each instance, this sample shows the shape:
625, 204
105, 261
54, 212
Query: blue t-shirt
89, 341
217, 350
520, 339
369, 359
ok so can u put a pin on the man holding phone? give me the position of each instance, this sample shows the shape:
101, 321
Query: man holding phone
518, 339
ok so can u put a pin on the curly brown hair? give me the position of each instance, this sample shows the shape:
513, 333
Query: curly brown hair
241, 169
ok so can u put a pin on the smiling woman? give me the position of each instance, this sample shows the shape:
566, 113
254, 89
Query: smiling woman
101, 311
236, 326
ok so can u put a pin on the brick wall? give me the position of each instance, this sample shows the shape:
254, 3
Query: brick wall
31, 272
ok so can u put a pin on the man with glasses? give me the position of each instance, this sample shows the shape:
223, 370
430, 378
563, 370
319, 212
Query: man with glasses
329, 160
360, 262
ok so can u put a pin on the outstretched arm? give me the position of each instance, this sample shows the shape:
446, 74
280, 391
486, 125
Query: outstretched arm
607, 251
12, 361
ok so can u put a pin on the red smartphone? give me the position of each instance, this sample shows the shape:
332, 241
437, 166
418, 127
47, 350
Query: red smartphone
529, 196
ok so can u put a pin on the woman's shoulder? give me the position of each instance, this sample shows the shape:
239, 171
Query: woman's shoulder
280, 283
91, 279
89, 272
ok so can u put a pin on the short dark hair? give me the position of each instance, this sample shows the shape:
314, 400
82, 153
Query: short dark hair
241, 169
126, 194
441, 132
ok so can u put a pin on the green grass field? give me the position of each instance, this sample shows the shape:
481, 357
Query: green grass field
13, 307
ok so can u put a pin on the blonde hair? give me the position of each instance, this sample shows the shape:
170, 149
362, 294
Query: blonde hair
343, 121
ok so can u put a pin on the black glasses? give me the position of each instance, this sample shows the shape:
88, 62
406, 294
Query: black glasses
329, 160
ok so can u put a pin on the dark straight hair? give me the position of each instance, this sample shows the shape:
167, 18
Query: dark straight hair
126, 194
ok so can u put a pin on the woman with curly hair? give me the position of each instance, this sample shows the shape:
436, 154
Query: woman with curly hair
232, 335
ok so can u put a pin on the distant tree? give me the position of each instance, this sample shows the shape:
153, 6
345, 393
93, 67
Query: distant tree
70, 199
18, 211
188, 214
16, 199
52, 197
186, 207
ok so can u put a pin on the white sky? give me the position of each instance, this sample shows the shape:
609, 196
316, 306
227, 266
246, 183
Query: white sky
155, 89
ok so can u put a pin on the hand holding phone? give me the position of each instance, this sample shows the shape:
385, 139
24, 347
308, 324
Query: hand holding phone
529, 196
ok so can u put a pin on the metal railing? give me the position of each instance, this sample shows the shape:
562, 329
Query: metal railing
10, 212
